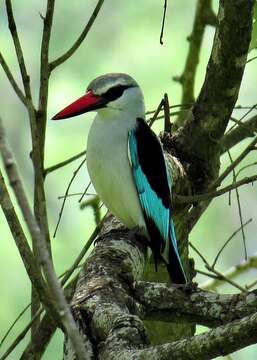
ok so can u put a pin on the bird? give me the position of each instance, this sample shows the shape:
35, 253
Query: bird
126, 164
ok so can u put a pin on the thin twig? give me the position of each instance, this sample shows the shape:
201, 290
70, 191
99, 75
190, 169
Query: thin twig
167, 122
28, 259
83, 252
228, 240
18, 49
63, 163
246, 167
85, 192
216, 272
186, 106
70, 195
233, 272
232, 166
163, 21
191, 199
208, 274
80, 39
66, 193
239, 208
20, 337
12, 81
250, 60
154, 117
13, 324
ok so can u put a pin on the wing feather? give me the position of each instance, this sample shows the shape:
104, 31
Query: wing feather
154, 190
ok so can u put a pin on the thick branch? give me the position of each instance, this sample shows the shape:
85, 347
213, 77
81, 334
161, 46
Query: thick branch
220, 341
162, 302
105, 300
198, 140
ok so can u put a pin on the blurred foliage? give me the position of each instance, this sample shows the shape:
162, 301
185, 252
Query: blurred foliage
124, 38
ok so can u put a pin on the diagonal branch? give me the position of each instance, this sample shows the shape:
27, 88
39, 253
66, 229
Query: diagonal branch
63, 163
21, 242
80, 39
241, 132
18, 49
39, 241
12, 81
209, 195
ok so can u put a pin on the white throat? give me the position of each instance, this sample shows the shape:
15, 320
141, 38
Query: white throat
125, 109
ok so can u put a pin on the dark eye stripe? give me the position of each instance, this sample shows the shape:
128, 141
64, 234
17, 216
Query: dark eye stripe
115, 92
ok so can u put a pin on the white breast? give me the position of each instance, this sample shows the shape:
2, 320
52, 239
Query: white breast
110, 170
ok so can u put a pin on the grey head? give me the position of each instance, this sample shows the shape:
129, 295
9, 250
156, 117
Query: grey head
104, 83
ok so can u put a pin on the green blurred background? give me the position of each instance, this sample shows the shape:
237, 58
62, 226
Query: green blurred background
124, 38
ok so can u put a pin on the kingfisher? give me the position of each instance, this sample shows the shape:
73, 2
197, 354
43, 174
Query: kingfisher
126, 164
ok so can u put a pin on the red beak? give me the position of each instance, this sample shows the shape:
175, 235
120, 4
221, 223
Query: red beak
85, 103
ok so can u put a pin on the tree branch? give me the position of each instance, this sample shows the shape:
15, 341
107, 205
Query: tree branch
64, 163
198, 140
220, 341
12, 81
166, 303
204, 15
18, 49
191, 199
241, 132
234, 271
80, 39
21, 242
39, 241
105, 296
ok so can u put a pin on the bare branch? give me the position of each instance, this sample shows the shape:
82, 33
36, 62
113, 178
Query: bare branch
163, 21
66, 194
64, 163
232, 273
167, 122
181, 199
204, 15
165, 303
44, 72
228, 240
239, 208
18, 49
80, 39
219, 93
57, 297
240, 133
20, 337
21, 242
155, 114
12, 81
237, 161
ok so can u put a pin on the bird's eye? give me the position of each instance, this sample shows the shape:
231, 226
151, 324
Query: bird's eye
115, 92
